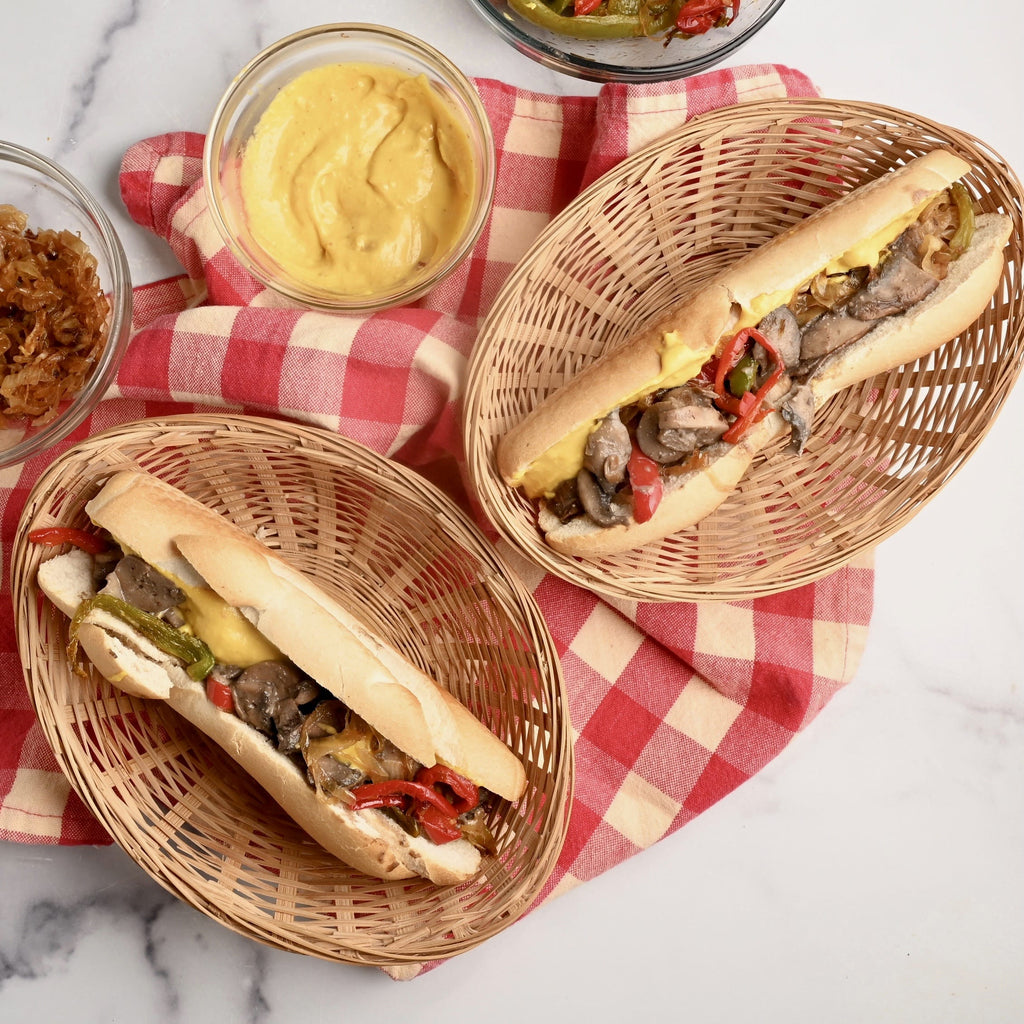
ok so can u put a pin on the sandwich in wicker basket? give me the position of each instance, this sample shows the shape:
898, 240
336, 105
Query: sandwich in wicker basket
649, 233
409, 565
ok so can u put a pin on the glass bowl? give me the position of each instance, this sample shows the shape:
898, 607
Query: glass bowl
248, 97
52, 199
626, 60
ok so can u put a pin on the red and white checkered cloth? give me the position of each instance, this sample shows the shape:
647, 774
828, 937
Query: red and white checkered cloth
673, 706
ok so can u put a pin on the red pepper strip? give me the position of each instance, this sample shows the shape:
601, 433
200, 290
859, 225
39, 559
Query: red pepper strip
389, 799
438, 826
369, 795
699, 16
68, 535
467, 795
220, 694
753, 413
731, 355
581, 7
645, 479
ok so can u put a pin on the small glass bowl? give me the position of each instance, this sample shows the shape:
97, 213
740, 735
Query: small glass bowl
626, 60
249, 95
52, 199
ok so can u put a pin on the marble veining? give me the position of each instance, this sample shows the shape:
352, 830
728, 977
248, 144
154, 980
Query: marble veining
85, 90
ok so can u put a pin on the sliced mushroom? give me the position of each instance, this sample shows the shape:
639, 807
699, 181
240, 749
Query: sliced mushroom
797, 409
330, 775
145, 587
608, 449
682, 421
899, 285
829, 332
267, 694
911, 244
598, 503
782, 329
288, 719
647, 438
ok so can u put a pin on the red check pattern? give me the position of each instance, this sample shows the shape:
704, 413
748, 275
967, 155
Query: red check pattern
673, 706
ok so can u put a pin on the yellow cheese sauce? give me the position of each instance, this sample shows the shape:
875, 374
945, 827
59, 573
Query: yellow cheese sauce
357, 177
233, 639
680, 361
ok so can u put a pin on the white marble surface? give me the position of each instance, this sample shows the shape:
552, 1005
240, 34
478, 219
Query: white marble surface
872, 873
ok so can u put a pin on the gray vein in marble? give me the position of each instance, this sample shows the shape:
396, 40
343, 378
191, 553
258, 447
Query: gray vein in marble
50, 932
86, 90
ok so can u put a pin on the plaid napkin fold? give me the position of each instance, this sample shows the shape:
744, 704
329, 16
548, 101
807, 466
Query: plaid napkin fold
673, 706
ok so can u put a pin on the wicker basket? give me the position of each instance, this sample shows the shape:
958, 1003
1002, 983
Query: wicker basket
655, 227
407, 562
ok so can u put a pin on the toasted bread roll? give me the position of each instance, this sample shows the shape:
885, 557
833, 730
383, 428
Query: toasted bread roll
249, 608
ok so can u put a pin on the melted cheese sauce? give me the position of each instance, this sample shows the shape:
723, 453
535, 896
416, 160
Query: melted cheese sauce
357, 178
233, 639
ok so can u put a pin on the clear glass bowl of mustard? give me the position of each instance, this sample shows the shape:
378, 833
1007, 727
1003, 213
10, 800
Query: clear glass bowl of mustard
350, 167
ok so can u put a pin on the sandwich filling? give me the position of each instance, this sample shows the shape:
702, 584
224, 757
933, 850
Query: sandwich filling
634, 452
342, 757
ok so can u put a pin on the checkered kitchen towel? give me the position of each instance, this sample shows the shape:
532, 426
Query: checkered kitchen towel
673, 706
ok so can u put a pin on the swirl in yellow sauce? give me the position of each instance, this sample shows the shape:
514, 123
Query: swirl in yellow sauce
357, 178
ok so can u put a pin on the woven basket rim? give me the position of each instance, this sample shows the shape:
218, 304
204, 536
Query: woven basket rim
555, 313
128, 758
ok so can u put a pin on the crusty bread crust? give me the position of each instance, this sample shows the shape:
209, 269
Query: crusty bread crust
707, 318
183, 537
950, 309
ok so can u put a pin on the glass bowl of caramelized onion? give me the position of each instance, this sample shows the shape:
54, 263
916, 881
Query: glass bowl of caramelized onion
627, 40
65, 304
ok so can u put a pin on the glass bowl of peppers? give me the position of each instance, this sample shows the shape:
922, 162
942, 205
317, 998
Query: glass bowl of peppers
627, 40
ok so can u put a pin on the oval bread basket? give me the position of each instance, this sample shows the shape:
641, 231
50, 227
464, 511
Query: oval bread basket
651, 230
403, 559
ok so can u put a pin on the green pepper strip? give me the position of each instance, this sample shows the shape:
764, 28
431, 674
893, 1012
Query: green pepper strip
193, 651
961, 240
595, 26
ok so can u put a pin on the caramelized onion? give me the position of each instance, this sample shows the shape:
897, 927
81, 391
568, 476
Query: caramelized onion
53, 318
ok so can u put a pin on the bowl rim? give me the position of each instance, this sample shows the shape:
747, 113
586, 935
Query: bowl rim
315, 298
557, 59
118, 289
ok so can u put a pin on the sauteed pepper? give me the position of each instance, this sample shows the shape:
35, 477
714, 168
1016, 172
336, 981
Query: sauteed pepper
193, 651
420, 798
618, 19
90, 542
699, 16
645, 479
961, 239
736, 379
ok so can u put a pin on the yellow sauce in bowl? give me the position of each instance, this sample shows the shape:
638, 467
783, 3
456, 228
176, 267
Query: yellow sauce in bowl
357, 178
